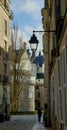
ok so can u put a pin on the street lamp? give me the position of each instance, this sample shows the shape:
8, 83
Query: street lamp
33, 42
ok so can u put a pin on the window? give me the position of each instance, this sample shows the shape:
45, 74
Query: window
5, 45
5, 68
5, 27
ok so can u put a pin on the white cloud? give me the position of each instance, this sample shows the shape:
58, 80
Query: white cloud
27, 6
31, 7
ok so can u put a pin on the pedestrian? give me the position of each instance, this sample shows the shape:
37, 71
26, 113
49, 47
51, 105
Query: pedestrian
39, 112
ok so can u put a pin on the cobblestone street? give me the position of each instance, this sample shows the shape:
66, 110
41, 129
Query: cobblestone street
19, 123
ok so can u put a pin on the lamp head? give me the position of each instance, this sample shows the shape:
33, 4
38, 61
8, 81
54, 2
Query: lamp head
33, 42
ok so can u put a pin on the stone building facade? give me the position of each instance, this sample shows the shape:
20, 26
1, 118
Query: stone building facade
30, 84
57, 11
23, 90
46, 52
5, 16
27, 94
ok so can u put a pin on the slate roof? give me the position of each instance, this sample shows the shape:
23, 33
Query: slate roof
39, 60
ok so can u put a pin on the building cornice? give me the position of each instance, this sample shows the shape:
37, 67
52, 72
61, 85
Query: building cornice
4, 8
7, 12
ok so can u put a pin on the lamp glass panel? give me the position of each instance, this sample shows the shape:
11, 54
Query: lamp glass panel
33, 46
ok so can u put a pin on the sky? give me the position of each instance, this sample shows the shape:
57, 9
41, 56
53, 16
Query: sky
27, 16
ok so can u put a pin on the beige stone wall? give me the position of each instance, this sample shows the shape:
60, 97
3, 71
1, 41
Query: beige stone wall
26, 100
22, 101
46, 51
4, 15
52, 36
42, 96
31, 104
62, 43
39, 88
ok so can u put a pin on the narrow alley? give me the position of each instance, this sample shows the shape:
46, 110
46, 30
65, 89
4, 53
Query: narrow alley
33, 64
23, 122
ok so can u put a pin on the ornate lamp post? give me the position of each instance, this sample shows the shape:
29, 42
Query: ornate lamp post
34, 41
33, 44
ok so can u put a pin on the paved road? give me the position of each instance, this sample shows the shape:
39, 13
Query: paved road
25, 122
